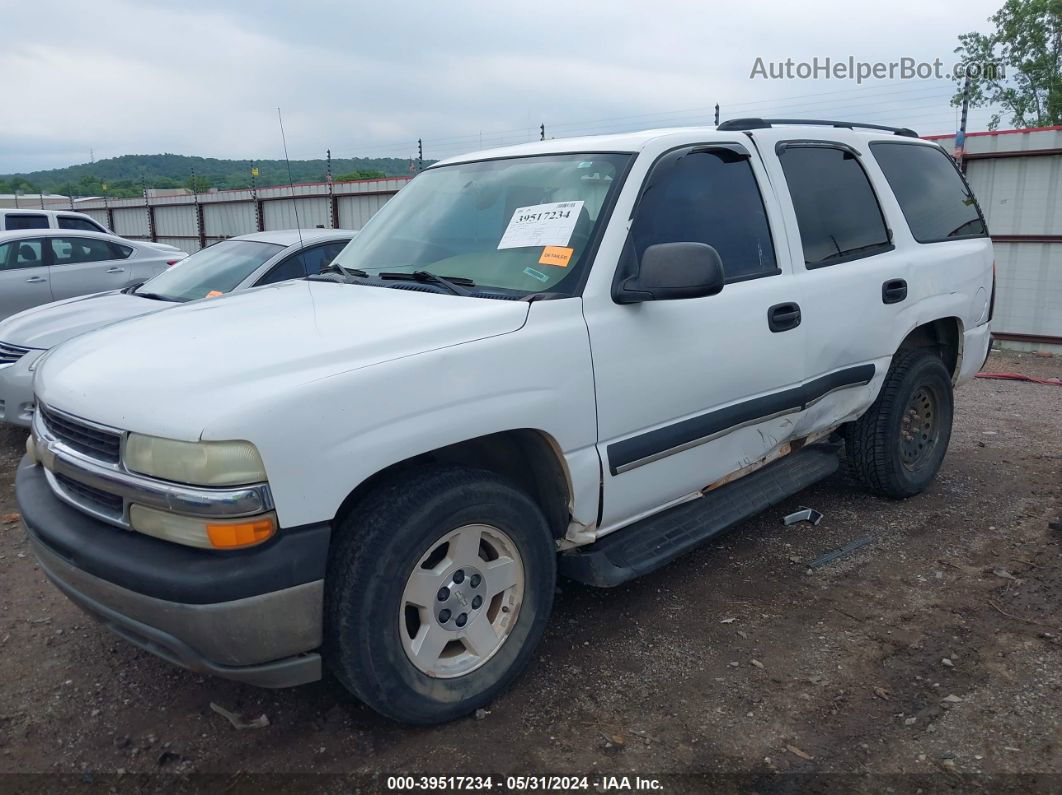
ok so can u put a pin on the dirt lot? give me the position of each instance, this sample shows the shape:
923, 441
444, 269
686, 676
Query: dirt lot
933, 650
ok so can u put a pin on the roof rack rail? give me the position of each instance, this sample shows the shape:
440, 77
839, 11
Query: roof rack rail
762, 124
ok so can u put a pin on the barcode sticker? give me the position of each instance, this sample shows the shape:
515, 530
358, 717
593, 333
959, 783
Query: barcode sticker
541, 225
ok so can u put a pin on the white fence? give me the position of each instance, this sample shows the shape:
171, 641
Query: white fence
192, 222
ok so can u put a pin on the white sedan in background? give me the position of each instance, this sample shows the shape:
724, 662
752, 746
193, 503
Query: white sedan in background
234, 264
38, 266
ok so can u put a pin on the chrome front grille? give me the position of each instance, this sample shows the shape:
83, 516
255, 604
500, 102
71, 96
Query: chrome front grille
98, 500
82, 437
9, 354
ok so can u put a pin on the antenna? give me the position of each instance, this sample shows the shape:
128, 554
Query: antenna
291, 182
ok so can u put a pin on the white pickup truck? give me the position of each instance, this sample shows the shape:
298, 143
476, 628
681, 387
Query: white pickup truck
581, 356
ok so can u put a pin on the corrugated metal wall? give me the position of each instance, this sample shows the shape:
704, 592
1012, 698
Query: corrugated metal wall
179, 221
1017, 177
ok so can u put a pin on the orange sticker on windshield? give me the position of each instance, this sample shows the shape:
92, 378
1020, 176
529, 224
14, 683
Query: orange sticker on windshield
214, 294
555, 255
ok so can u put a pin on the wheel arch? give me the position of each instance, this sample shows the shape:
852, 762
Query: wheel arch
943, 336
529, 458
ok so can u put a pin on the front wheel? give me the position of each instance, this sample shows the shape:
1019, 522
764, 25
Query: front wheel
896, 448
439, 588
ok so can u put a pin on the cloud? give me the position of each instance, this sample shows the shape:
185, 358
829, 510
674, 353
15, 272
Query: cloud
206, 78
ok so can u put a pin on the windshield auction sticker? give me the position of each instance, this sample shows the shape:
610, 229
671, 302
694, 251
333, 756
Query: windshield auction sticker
541, 225
556, 255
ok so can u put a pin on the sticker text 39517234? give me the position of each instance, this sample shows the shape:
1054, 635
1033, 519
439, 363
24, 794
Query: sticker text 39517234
541, 225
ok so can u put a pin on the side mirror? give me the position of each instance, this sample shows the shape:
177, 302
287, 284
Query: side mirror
673, 270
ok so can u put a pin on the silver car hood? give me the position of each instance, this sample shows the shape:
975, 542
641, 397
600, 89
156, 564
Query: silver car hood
48, 325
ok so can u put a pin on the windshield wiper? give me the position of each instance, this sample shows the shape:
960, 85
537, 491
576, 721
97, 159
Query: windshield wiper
455, 284
348, 275
156, 297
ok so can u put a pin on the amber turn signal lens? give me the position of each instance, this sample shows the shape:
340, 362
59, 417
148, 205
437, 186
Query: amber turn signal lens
231, 535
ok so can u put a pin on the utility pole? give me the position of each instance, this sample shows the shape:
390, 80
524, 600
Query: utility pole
716, 114
42, 197
960, 136
542, 132
420, 155
254, 198
333, 208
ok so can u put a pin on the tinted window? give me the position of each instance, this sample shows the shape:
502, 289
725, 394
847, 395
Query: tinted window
20, 221
70, 222
214, 270
119, 251
933, 196
21, 254
73, 250
319, 258
707, 196
290, 268
836, 209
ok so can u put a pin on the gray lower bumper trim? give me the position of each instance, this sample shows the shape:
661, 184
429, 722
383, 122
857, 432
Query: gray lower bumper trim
290, 669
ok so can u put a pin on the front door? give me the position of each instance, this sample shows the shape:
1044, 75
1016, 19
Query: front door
691, 390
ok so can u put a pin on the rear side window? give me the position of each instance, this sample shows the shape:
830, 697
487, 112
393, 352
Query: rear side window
935, 199
74, 250
707, 195
119, 251
82, 224
837, 212
21, 221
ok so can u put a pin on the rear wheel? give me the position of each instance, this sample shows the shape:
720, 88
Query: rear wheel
439, 588
896, 448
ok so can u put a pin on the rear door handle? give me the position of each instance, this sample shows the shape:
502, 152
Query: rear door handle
782, 317
35, 280
115, 270
893, 291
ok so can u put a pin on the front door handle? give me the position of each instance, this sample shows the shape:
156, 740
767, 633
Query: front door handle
893, 291
35, 280
116, 270
782, 317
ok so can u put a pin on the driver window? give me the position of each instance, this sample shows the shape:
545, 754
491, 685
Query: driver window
705, 195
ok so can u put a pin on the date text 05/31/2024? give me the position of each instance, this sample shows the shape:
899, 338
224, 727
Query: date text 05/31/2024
523, 783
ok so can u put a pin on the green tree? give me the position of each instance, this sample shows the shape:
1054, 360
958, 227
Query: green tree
360, 174
197, 184
1027, 40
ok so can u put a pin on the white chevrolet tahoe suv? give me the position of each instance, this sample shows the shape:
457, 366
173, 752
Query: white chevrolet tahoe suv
581, 356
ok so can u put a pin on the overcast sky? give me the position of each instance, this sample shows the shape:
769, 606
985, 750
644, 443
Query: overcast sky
205, 78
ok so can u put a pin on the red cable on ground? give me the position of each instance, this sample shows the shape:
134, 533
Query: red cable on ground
1020, 377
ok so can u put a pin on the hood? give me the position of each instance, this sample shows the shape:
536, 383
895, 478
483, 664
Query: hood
171, 372
47, 325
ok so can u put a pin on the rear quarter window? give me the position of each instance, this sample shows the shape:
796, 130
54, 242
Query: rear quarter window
21, 221
936, 202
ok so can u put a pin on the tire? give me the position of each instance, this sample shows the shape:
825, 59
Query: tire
384, 563
891, 451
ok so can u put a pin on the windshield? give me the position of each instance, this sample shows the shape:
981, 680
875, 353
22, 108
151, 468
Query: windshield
212, 271
521, 224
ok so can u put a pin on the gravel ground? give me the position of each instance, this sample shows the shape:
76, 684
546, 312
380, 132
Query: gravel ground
930, 656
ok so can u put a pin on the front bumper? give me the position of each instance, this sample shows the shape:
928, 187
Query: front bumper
16, 390
251, 615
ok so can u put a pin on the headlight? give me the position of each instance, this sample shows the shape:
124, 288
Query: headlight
198, 463
199, 532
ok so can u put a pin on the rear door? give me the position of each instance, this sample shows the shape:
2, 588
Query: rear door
82, 265
852, 277
24, 277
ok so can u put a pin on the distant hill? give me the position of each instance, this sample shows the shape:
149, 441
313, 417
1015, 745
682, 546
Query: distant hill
125, 175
